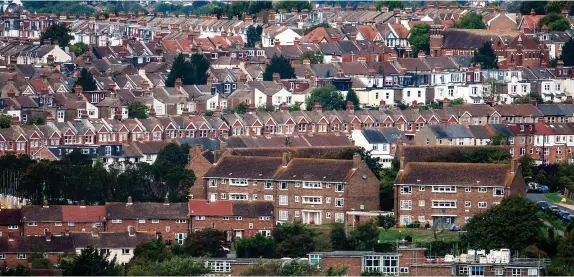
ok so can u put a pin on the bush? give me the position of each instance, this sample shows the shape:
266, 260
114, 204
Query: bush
414, 225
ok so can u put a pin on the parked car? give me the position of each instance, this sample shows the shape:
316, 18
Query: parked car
543, 205
555, 208
564, 215
543, 189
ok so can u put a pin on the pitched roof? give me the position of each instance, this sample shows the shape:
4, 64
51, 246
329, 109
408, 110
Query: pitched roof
41, 213
83, 213
325, 170
253, 209
518, 110
29, 244
10, 216
207, 208
146, 211
245, 167
439, 153
108, 240
459, 174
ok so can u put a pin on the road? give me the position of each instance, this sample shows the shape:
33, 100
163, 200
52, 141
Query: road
538, 197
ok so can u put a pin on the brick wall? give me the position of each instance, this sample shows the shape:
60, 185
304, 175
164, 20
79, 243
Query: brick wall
431, 270
4, 231
151, 228
12, 261
354, 264
51, 226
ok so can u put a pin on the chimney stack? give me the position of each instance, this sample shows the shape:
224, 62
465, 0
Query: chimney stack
166, 201
402, 163
129, 201
356, 160
276, 77
131, 231
94, 231
285, 159
514, 166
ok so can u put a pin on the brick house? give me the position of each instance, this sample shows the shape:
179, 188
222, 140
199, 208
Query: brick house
313, 191
16, 250
444, 194
168, 220
120, 245
38, 220
236, 218
10, 222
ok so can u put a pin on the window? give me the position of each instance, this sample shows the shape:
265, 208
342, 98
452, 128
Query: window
482, 189
314, 259
312, 185
238, 218
283, 200
12, 227
482, 205
444, 204
328, 200
32, 224
125, 251
406, 189
297, 214
421, 203
467, 204
340, 187
226, 218
421, 188
284, 185
266, 233
421, 218
141, 221
58, 224
477, 271
328, 214
223, 195
296, 198
2, 256
339, 217
312, 200
238, 182
283, 215
213, 182
219, 266
468, 189
516, 272
238, 196
498, 191
199, 217
250, 225
532, 272
268, 197
406, 205
268, 185
71, 224
444, 189
155, 221
21, 256
116, 221
404, 270
254, 197
463, 270
339, 202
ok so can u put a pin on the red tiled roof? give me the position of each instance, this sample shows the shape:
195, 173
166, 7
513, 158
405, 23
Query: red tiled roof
83, 213
205, 208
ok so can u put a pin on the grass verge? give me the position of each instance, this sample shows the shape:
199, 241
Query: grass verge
418, 235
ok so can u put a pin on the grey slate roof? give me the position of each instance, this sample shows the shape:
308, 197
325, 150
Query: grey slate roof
551, 109
479, 132
110, 240
452, 131
501, 128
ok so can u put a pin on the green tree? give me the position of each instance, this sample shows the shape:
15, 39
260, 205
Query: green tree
486, 57
169, 170
352, 97
79, 48
38, 261
35, 121
458, 101
137, 110
512, 224
554, 7
281, 65
527, 165
19, 270
339, 237
242, 108
86, 80
205, 243
288, 5
329, 98
555, 22
420, 38
365, 236
337, 271
566, 249
5, 120
271, 268
58, 32
252, 36
175, 266
470, 21
91, 262
499, 139
314, 57
387, 178
567, 55
255, 247
293, 240
298, 268
526, 100
153, 250
527, 6
192, 72
386, 221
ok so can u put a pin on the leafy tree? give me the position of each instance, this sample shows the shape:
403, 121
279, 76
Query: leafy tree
386, 221
175, 266
271, 268
486, 155
337, 271
58, 32
470, 21
339, 237
329, 98
255, 247
35, 120
567, 55
192, 72
499, 139
298, 268
511, 224
527, 165
288, 5
86, 80
153, 250
390, 4
205, 243
281, 65
242, 108
5, 120
314, 57
554, 7
555, 22
19, 270
420, 38
137, 110
169, 170
252, 36
566, 249
526, 100
352, 97
458, 101
387, 178
91, 262
293, 240
37, 260
527, 6
486, 57
365, 236
79, 48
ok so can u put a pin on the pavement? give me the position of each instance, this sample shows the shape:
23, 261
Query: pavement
539, 197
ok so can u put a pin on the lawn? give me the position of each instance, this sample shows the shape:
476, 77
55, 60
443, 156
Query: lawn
553, 197
418, 235
553, 220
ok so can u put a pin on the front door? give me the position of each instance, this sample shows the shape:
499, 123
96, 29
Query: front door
442, 222
310, 217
